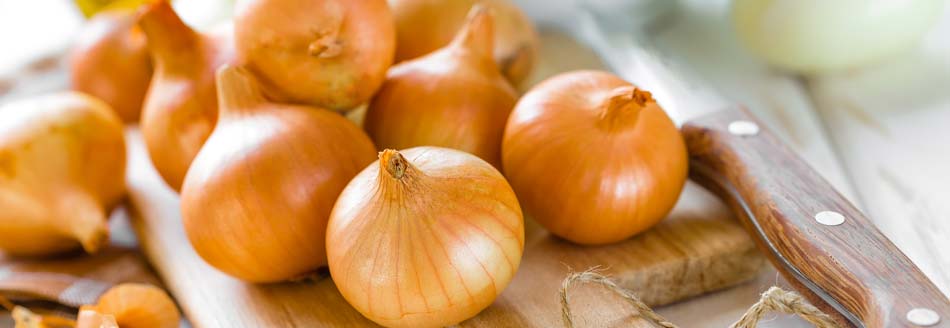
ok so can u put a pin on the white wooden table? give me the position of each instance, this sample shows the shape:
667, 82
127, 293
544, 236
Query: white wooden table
881, 135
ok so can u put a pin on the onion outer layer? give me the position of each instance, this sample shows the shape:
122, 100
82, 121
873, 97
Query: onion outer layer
131, 305
593, 158
181, 106
110, 61
62, 168
326, 53
454, 97
425, 237
423, 26
258, 196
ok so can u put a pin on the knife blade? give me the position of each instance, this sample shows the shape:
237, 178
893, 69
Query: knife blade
823, 244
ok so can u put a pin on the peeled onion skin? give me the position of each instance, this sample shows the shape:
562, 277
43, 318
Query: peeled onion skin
592, 158
181, 106
423, 26
326, 53
257, 198
425, 237
111, 62
131, 305
454, 97
62, 164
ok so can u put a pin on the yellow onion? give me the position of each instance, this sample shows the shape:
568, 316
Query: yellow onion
326, 53
257, 198
62, 164
424, 238
454, 97
423, 26
111, 62
593, 158
131, 305
181, 106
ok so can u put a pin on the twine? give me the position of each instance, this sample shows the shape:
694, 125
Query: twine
774, 299
592, 276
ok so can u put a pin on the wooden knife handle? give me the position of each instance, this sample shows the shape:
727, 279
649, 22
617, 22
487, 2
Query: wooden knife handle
851, 266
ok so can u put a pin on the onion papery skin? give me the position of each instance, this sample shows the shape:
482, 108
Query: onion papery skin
326, 53
423, 26
590, 162
454, 97
62, 168
429, 247
181, 106
257, 199
131, 305
110, 61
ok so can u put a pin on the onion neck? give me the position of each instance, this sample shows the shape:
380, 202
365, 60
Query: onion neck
395, 165
396, 174
170, 41
327, 45
477, 35
623, 105
327, 42
85, 219
238, 91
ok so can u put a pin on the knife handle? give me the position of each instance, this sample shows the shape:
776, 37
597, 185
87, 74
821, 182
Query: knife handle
851, 266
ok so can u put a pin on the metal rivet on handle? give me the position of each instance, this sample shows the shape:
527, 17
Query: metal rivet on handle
743, 128
829, 218
923, 317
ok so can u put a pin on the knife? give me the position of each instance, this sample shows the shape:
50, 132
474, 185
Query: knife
824, 246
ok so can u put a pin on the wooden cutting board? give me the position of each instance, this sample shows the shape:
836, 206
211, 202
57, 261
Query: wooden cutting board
699, 248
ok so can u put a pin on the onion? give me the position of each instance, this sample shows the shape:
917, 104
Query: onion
110, 62
326, 53
466, 99
131, 305
593, 158
818, 36
257, 198
424, 238
181, 106
423, 26
62, 164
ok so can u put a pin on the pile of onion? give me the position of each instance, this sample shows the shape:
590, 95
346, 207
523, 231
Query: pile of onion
131, 305
593, 158
258, 196
62, 169
426, 237
111, 62
181, 106
454, 97
326, 53
423, 26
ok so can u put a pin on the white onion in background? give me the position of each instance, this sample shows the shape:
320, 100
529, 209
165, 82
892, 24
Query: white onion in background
828, 35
